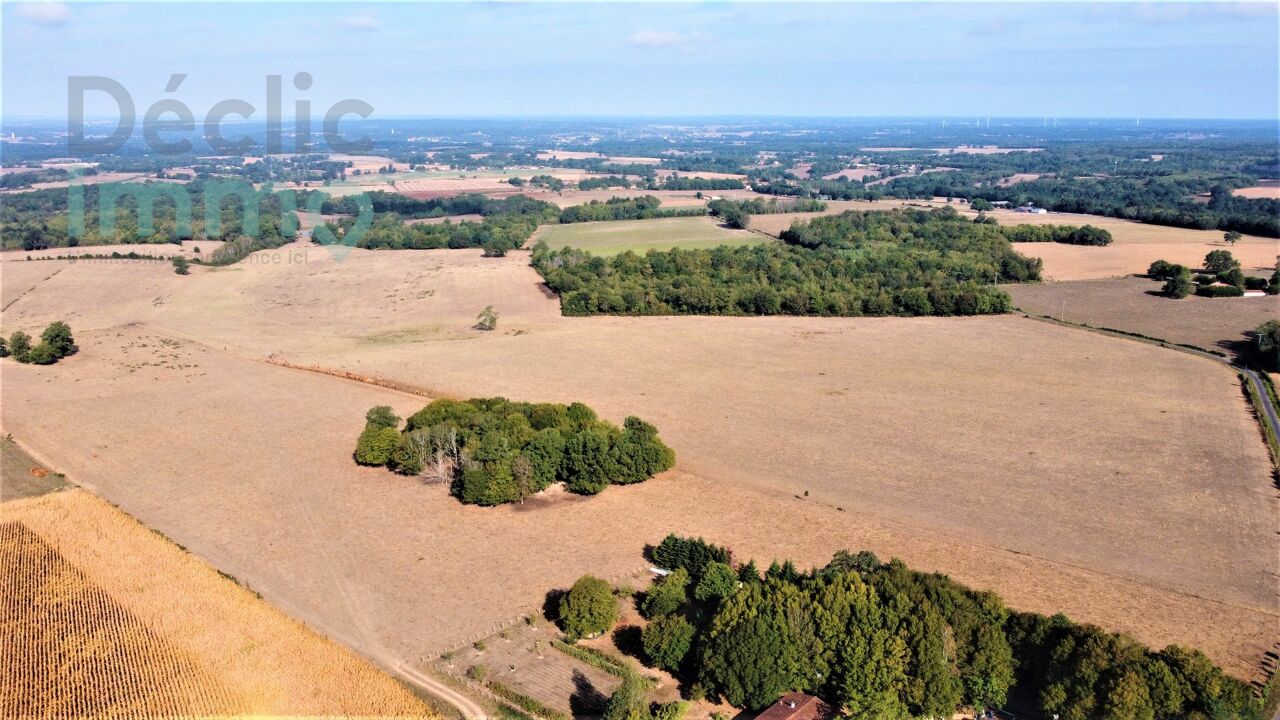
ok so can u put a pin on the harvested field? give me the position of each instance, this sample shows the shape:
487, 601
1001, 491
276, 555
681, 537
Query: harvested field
1134, 305
669, 198
639, 236
470, 217
1265, 191
100, 617
706, 174
188, 248
1016, 178
856, 174
1049, 464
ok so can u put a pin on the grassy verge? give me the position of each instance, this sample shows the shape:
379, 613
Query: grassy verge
524, 702
1268, 432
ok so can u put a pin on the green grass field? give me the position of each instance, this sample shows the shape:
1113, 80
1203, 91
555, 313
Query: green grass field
610, 238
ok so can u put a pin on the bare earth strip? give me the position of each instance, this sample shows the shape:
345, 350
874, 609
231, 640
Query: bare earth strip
1052, 465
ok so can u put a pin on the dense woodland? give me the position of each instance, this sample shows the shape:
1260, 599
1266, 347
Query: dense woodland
495, 451
880, 641
904, 262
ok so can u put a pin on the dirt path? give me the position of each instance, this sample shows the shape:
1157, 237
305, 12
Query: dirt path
33, 287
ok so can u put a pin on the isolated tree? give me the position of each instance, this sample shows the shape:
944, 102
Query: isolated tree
487, 319
20, 346
667, 641
981, 205
1266, 338
58, 337
588, 608
1232, 237
1180, 285
1220, 261
180, 265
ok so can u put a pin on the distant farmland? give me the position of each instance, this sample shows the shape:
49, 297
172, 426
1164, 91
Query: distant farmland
611, 238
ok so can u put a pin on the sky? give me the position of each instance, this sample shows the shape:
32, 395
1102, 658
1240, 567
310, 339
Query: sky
1152, 60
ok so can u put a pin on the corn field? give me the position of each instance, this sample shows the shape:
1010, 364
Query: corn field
102, 618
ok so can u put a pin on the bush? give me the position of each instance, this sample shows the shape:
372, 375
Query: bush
181, 266
382, 416
488, 318
667, 641
42, 354
588, 608
376, 444
1219, 291
1163, 270
666, 595
20, 346
674, 710
1178, 286
58, 337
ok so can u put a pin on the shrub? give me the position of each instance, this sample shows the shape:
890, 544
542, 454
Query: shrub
667, 641
674, 710
1234, 276
487, 319
628, 701
1219, 291
588, 608
666, 595
1163, 270
381, 416
4, 348
1178, 286
42, 354
181, 266
58, 337
20, 346
477, 672
376, 444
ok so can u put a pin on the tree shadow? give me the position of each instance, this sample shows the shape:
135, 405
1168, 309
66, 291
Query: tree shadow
586, 701
551, 605
627, 638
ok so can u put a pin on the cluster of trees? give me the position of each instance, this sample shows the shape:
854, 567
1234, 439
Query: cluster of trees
143, 213
607, 181
1069, 234
549, 182
496, 233
1221, 276
55, 343
737, 213
878, 640
496, 451
676, 182
1266, 339
465, 204
636, 208
27, 178
875, 263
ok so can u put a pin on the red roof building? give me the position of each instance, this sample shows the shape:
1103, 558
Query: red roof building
797, 706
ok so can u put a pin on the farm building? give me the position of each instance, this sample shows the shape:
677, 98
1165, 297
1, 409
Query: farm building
797, 706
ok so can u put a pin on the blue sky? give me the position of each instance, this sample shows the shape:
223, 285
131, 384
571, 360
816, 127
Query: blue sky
1206, 60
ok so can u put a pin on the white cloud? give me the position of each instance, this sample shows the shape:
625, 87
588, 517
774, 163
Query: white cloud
663, 38
360, 22
43, 13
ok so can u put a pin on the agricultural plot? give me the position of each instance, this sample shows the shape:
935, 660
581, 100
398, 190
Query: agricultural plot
1134, 305
639, 236
101, 617
1049, 464
23, 476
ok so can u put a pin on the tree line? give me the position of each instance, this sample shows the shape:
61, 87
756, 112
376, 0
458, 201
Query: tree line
902, 262
635, 208
495, 451
879, 640
1069, 234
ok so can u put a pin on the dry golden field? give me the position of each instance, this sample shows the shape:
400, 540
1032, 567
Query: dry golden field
1271, 191
1135, 304
1049, 464
100, 617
